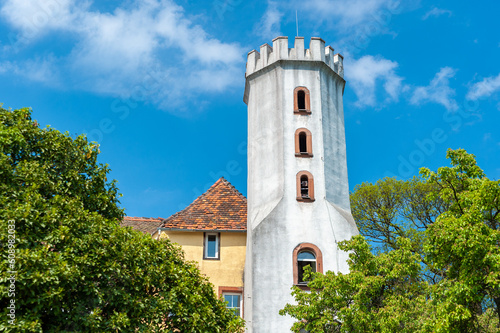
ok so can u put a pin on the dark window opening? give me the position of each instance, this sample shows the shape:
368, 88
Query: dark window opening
304, 259
303, 143
304, 187
301, 99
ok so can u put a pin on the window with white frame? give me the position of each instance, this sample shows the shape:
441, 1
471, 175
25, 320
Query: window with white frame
233, 302
211, 245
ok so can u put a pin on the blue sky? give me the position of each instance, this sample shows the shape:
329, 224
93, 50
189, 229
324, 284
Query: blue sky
159, 84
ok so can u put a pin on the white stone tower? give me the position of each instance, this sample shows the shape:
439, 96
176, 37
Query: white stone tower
298, 195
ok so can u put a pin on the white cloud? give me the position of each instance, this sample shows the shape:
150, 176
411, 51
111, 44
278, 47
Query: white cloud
34, 18
367, 72
436, 12
113, 52
350, 13
38, 69
270, 24
485, 88
438, 90
355, 22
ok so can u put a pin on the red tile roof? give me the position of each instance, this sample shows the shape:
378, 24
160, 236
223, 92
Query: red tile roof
146, 225
221, 207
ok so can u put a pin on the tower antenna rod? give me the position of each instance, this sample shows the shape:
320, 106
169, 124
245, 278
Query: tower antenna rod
297, 22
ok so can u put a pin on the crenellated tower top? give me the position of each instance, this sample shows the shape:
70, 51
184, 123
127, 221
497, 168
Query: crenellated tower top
280, 51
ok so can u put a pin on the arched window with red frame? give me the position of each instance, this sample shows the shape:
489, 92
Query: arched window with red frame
305, 186
306, 254
303, 143
301, 101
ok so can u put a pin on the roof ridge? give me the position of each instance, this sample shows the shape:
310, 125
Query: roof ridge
144, 225
142, 218
231, 186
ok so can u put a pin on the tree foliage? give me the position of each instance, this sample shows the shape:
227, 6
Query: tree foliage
446, 223
394, 208
74, 269
464, 243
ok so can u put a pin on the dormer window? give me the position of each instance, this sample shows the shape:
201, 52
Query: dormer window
305, 186
302, 101
303, 143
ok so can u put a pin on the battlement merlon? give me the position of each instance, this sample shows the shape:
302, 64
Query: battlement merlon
279, 51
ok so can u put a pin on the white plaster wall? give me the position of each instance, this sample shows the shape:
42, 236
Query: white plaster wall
277, 222
265, 151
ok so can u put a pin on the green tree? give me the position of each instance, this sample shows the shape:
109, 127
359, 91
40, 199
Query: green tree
75, 268
450, 229
464, 243
393, 208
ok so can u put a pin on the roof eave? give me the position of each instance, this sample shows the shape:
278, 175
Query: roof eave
202, 230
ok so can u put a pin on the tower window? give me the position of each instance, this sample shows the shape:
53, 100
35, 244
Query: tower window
304, 259
301, 99
303, 143
302, 102
306, 254
305, 186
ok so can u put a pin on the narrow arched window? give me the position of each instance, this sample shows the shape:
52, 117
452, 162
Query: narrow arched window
306, 254
302, 101
305, 186
303, 143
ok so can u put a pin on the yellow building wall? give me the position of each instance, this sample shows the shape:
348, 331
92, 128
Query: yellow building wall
225, 272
